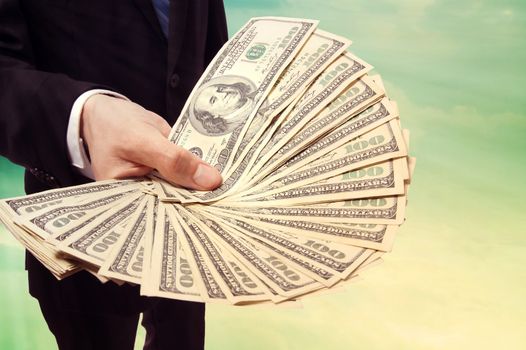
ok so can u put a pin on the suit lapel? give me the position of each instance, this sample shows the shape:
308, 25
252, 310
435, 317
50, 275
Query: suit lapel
146, 7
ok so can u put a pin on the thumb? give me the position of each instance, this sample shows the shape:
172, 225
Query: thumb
183, 168
177, 165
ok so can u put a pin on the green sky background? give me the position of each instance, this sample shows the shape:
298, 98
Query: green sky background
456, 277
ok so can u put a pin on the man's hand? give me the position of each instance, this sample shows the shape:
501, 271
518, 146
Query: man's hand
127, 140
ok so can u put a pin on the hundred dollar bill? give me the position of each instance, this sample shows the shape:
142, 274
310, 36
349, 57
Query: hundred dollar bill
341, 287
234, 85
380, 144
371, 118
334, 79
169, 273
47, 254
211, 290
72, 212
356, 98
373, 260
374, 236
329, 85
360, 95
307, 267
149, 236
21, 209
406, 168
61, 232
93, 270
93, 243
125, 260
318, 52
329, 260
166, 192
173, 194
374, 116
379, 237
238, 282
382, 179
380, 210
268, 267
148, 187
411, 163
260, 292
27, 205
300, 264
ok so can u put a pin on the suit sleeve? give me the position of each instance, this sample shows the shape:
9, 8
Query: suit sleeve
34, 105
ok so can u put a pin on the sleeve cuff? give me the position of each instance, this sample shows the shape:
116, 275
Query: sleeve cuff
76, 148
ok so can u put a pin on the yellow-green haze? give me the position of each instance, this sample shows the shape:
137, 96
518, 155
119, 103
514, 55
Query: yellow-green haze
456, 277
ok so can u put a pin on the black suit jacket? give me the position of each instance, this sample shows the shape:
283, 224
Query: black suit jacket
51, 51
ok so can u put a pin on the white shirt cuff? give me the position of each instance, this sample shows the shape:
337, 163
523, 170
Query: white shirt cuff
77, 153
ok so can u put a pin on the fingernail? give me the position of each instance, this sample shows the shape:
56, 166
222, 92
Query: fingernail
206, 176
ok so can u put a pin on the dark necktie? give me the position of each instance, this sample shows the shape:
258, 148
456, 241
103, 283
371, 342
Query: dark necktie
161, 8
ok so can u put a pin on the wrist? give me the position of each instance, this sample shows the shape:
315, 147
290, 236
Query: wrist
81, 127
86, 116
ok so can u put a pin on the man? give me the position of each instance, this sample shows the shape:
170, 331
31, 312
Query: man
62, 67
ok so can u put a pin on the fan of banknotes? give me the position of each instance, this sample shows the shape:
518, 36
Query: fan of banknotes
315, 168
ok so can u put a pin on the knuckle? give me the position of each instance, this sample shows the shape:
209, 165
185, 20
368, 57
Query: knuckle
161, 123
156, 120
175, 158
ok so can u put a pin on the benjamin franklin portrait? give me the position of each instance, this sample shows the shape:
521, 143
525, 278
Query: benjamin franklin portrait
222, 104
